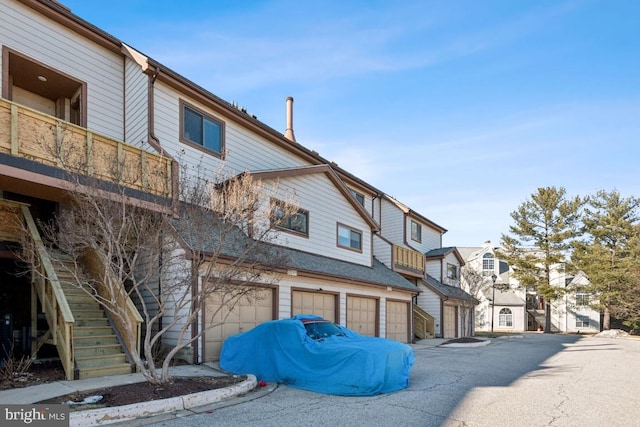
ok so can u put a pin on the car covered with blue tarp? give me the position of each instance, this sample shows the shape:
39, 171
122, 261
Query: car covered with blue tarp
310, 353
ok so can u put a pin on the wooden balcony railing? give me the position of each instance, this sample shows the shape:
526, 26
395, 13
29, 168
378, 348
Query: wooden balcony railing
423, 323
408, 261
47, 140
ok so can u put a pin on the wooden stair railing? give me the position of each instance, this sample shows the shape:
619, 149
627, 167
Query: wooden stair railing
128, 322
423, 323
46, 287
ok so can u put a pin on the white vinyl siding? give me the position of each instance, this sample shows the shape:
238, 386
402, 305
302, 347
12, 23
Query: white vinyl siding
244, 150
383, 250
136, 105
36, 37
429, 301
391, 223
451, 259
325, 205
430, 237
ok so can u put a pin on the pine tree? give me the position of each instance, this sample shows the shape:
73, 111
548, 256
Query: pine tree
539, 239
609, 254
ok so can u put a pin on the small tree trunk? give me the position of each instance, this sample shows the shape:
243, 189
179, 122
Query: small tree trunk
606, 320
547, 318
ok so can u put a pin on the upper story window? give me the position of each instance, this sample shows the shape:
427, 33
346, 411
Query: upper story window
488, 267
201, 130
297, 223
452, 271
349, 238
416, 231
582, 299
359, 197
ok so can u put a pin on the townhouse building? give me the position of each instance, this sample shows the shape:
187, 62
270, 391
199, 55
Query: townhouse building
354, 255
506, 307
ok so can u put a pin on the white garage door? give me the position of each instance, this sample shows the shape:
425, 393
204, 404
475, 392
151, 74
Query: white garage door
449, 322
246, 314
362, 315
398, 321
323, 305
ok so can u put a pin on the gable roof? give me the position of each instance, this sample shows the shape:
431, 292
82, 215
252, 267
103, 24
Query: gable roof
443, 252
449, 292
333, 177
504, 297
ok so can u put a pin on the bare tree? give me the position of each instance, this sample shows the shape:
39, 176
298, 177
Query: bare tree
218, 241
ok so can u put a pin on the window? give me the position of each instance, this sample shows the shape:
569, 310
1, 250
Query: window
298, 222
359, 197
201, 130
349, 238
582, 321
452, 271
505, 318
416, 231
488, 264
582, 299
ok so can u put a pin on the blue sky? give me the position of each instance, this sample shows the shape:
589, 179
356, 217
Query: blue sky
460, 109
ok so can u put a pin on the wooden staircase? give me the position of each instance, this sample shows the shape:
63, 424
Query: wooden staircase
423, 323
96, 349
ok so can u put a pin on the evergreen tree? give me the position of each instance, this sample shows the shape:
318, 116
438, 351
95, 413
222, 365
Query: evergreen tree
539, 239
609, 254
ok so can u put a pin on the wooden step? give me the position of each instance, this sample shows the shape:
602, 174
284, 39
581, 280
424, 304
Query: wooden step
86, 314
82, 322
88, 331
97, 350
94, 340
123, 368
98, 361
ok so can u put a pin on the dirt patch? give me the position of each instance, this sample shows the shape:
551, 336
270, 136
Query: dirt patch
38, 373
144, 392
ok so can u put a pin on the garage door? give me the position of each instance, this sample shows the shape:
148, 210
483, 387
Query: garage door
449, 322
398, 321
323, 305
362, 315
246, 314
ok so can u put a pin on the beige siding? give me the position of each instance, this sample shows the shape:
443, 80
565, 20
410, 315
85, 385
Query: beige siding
383, 250
28, 33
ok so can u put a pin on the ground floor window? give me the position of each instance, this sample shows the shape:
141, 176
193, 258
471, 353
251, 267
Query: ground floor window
582, 321
506, 318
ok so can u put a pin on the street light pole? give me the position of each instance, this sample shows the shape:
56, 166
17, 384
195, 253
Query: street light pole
493, 298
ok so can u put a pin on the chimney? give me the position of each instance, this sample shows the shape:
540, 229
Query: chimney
289, 132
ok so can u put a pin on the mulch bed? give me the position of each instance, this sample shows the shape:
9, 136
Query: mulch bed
50, 371
144, 392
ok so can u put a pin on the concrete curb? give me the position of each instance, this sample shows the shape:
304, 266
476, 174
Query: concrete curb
104, 416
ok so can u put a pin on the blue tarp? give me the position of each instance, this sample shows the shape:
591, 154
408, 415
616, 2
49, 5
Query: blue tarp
350, 365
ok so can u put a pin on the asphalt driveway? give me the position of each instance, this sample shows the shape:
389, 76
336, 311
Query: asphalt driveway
531, 380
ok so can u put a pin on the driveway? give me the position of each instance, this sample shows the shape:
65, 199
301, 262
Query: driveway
533, 380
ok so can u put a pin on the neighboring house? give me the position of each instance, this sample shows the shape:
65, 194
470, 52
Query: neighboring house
515, 309
66, 82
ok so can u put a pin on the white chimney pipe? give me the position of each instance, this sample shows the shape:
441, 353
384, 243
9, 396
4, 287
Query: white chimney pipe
289, 132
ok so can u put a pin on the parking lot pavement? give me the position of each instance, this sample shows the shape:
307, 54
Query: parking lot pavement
537, 380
